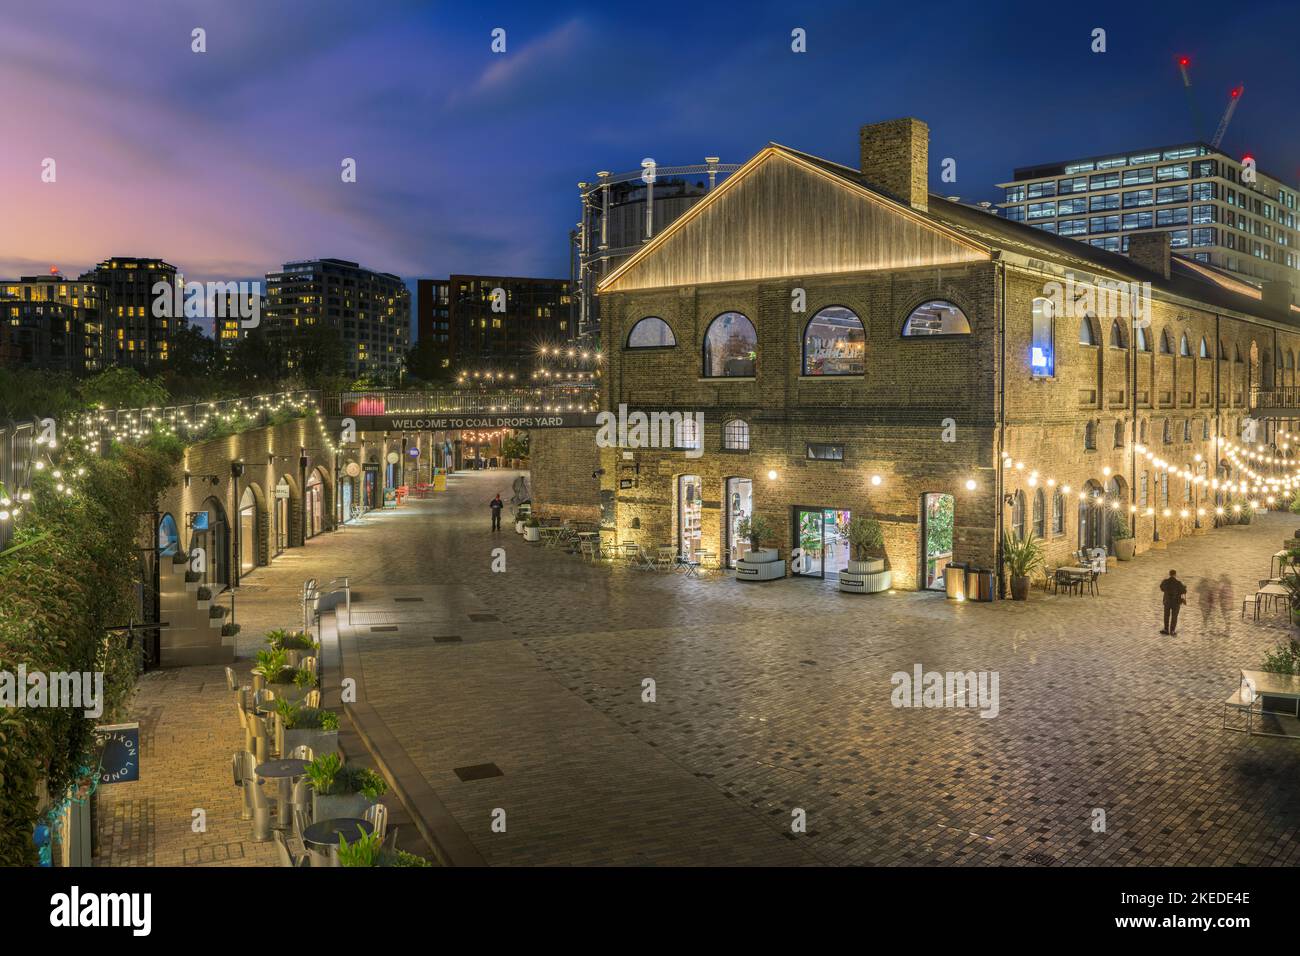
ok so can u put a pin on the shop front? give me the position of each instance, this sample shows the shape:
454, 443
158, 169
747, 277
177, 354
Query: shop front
690, 511
210, 531
281, 516
249, 529
936, 539
314, 509
739, 498
821, 536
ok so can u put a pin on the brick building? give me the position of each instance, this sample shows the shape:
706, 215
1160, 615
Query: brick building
859, 346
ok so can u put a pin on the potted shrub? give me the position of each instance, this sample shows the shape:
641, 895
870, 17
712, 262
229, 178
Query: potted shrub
866, 544
296, 645
1121, 538
1022, 556
314, 726
229, 630
365, 850
530, 530
342, 790
760, 564
204, 596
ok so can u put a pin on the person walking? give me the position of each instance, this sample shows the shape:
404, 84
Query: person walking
1206, 591
1174, 592
1226, 601
496, 505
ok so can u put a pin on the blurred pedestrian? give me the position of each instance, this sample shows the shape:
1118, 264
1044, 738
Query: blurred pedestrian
1206, 592
1174, 592
1227, 601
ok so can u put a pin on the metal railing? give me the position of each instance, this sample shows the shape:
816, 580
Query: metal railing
1285, 397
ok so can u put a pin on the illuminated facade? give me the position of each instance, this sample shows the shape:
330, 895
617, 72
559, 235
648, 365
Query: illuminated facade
132, 334
484, 330
50, 323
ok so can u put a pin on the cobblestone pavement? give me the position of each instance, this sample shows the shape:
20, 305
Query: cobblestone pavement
776, 697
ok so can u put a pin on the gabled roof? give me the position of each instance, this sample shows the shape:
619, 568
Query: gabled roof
981, 233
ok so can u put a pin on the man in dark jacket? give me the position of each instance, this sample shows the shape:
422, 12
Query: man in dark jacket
497, 504
1174, 591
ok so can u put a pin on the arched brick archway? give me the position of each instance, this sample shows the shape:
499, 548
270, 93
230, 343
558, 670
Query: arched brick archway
286, 513
318, 502
253, 520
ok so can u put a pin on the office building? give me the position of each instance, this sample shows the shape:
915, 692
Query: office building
50, 323
132, 334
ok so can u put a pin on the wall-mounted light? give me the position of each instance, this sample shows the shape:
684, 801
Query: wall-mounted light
875, 479
970, 484
771, 475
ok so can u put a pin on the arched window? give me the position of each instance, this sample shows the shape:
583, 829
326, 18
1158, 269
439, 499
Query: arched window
1143, 343
651, 332
936, 317
169, 538
1167, 434
1042, 340
1166, 345
1119, 433
1205, 348
1205, 429
833, 343
1236, 354
1142, 432
1187, 429
1090, 435
1018, 516
1290, 359
1087, 331
1058, 512
1184, 349
730, 347
1040, 517
1117, 336
735, 435
1223, 350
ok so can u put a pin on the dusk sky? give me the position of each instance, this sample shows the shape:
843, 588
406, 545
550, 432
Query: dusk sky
227, 163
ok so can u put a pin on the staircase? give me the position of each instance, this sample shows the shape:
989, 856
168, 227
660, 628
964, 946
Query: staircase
193, 635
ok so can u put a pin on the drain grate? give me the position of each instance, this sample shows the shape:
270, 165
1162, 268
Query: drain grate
383, 627
479, 771
446, 639
483, 618
400, 600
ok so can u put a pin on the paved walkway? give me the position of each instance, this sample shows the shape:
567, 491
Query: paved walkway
777, 697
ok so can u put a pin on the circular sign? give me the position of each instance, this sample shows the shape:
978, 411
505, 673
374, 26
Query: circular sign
414, 451
352, 469
393, 457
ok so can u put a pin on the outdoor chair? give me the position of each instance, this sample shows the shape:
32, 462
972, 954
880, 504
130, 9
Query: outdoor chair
1091, 582
231, 683
377, 816
664, 562
312, 699
287, 856
261, 807
302, 752
261, 732
588, 550
241, 767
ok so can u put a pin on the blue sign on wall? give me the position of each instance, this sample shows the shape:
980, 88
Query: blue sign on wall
119, 760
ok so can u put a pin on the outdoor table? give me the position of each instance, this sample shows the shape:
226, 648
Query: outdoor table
1074, 574
550, 535
1269, 594
282, 772
322, 836
1269, 684
1280, 558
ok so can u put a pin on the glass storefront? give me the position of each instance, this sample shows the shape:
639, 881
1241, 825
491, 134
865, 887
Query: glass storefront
248, 531
936, 532
690, 507
169, 539
345, 500
315, 505
740, 505
281, 516
210, 532
820, 534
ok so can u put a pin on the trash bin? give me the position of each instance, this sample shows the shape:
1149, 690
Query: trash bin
979, 584
954, 581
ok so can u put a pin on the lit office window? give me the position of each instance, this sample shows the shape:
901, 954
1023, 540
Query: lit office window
1042, 349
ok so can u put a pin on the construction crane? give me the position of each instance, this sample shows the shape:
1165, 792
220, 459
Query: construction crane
1233, 99
1183, 63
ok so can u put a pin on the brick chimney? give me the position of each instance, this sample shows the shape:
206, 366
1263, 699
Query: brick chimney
1277, 295
895, 160
1151, 251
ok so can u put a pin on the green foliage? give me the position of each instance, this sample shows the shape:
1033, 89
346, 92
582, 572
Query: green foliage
363, 851
285, 640
865, 537
515, 446
755, 528
1119, 530
270, 663
296, 717
124, 388
322, 772
1023, 556
938, 526
1294, 506
1284, 658
303, 678
402, 858
329, 775
71, 575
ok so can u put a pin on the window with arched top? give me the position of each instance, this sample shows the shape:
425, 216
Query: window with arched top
1184, 348
834, 343
1058, 512
651, 332
1143, 342
1042, 339
1087, 331
1168, 434
1290, 359
1142, 432
1205, 429
1117, 340
1090, 435
1205, 348
936, 317
1223, 350
1119, 433
1018, 516
1187, 429
730, 347
1040, 513
1166, 344
735, 435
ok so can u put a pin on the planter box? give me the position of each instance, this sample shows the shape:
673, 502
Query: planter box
1124, 548
871, 566
760, 566
869, 583
532, 534
290, 692
204, 605
332, 806
320, 741
519, 527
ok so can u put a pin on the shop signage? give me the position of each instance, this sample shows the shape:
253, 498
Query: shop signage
627, 483
119, 760
393, 457
282, 489
352, 469
414, 451
415, 423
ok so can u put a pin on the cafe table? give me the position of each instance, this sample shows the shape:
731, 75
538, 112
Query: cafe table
282, 772
1256, 684
1269, 594
323, 836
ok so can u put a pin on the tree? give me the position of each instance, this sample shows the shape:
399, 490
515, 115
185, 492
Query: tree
124, 388
425, 362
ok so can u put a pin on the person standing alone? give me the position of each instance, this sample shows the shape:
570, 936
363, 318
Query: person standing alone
497, 504
1174, 591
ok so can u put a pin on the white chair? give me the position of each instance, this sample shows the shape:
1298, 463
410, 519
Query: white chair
377, 816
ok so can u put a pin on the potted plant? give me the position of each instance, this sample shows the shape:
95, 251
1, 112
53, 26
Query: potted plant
296, 645
229, 630
760, 564
530, 530
342, 790
1023, 556
315, 727
204, 597
1121, 538
866, 544
365, 850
